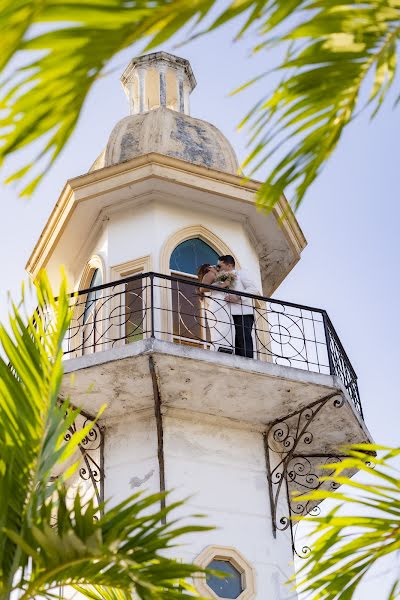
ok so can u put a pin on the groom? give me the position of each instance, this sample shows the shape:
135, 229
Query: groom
241, 307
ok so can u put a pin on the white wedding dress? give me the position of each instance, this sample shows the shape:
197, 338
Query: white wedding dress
219, 322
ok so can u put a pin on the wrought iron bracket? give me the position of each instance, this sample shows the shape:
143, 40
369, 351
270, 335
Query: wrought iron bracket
92, 451
293, 468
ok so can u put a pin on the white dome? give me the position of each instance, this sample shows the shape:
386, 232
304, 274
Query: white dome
172, 133
158, 86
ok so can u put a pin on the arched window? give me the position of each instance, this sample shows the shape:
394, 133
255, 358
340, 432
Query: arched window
91, 321
92, 295
190, 254
188, 323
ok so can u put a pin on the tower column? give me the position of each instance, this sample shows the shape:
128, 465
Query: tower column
163, 85
186, 95
142, 88
180, 94
131, 98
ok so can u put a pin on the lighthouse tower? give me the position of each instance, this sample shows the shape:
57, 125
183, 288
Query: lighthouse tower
236, 435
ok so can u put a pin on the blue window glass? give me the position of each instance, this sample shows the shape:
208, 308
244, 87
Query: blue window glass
92, 296
230, 586
190, 254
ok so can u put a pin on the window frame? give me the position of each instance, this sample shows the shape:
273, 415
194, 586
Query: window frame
181, 338
184, 273
237, 559
129, 269
76, 345
180, 236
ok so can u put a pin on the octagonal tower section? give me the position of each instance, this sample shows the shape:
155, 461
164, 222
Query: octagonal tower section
234, 434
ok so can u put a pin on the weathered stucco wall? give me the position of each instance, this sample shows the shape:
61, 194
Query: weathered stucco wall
130, 457
223, 472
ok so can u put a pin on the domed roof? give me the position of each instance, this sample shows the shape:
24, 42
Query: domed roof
172, 133
158, 86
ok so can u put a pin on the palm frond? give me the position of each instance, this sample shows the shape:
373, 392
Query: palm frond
332, 48
122, 550
42, 99
50, 538
30, 370
346, 546
98, 592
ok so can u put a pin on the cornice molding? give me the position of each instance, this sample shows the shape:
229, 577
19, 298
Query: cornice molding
161, 167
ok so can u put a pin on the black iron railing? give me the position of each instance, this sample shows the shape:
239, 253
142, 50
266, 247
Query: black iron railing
175, 309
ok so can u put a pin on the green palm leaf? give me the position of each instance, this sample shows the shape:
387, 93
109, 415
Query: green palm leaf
333, 47
346, 546
48, 538
333, 50
43, 98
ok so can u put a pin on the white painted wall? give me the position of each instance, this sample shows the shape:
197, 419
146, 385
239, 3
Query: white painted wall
223, 472
131, 233
130, 457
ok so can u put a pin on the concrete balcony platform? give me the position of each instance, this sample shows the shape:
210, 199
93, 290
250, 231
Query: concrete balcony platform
249, 393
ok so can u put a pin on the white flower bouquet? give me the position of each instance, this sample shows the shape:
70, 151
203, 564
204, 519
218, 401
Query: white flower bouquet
224, 276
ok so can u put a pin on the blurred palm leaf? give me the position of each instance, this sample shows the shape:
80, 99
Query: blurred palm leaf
49, 539
332, 48
42, 99
346, 546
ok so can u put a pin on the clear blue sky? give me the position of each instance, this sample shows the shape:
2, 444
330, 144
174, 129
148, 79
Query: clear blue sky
350, 218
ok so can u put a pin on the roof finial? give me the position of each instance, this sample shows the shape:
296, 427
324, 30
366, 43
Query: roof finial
158, 80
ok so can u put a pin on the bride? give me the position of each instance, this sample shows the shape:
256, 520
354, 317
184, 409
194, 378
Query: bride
217, 310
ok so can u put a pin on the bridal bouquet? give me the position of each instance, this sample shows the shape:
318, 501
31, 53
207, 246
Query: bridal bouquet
224, 276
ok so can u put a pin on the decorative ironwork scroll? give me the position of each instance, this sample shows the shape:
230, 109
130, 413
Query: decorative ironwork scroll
293, 469
109, 315
92, 450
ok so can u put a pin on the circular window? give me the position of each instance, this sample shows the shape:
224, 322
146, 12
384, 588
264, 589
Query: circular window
235, 579
228, 586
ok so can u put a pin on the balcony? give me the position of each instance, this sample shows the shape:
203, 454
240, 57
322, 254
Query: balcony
152, 306
157, 352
